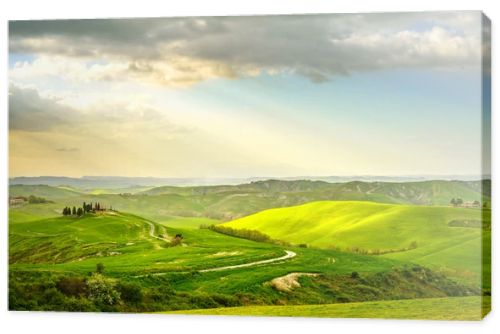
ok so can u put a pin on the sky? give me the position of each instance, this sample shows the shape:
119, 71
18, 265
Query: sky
343, 94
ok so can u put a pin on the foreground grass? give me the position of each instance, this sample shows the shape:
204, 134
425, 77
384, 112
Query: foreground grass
151, 275
455, 308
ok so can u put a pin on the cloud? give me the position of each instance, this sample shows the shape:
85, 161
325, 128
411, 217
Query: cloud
183, 51
28, 111
31, 112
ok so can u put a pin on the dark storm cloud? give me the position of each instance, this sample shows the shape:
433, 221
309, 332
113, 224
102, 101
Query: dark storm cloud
30, 112
316, 46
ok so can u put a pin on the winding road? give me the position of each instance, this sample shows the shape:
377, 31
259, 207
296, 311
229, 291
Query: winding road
289, 255
152, 232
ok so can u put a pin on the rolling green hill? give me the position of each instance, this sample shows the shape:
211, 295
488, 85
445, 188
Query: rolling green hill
63, 239
230, 202
48, 192
413, 233
46, 255
424, 193
124, 243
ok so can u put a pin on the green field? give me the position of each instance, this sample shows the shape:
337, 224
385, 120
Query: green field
419, 234
358, 253
122, 242
230, 202
458, 308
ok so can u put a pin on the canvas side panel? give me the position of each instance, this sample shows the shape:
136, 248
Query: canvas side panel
486, 163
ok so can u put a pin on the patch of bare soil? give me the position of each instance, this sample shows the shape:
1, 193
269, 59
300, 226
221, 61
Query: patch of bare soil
288, 282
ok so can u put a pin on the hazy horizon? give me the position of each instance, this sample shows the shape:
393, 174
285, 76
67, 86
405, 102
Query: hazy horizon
236, 97
254, 176
125, 181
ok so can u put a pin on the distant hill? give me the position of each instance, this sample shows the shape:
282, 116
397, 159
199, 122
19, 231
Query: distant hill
111, 182
45, 191
229, 202
87, 182
423, 193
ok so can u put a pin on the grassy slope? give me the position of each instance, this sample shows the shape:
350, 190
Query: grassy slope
457, 308
186, 222
229, 202
130, 190
123, 244
30, 212
45, 191
61, 239
379, 226
73, 246
425, 192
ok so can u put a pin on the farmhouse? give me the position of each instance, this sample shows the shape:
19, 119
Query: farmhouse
17, 200
458, 202
471, 204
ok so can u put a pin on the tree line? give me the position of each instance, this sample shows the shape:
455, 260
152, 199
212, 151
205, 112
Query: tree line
460, 202
246, 234
85, 208
32, 199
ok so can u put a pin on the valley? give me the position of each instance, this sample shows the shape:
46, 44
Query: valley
166, 250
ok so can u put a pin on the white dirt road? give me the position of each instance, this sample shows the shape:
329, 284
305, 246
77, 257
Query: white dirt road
289, 255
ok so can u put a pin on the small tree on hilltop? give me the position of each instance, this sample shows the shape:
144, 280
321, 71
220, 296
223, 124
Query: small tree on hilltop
74, 211
79, 212
453, 202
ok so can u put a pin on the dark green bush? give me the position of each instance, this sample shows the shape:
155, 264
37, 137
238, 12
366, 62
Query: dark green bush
72, 286
130, 292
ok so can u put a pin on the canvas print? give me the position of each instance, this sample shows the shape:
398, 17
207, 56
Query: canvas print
333, 165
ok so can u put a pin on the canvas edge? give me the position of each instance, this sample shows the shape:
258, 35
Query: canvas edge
486, 151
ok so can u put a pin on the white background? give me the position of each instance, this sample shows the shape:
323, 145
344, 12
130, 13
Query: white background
18, 322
